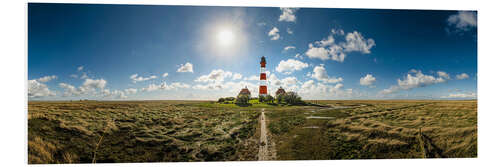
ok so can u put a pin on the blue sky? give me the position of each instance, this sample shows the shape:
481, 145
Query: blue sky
139, 52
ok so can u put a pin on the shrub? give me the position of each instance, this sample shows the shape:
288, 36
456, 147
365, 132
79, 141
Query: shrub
280, 98
221, 100
269, 99
242, 99
266, 98
261, 98
230, 99
293, 98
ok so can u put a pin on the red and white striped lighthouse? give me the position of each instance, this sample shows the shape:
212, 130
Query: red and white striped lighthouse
263, 78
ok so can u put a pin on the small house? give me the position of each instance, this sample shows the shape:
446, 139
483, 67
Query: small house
280, 91
245, 91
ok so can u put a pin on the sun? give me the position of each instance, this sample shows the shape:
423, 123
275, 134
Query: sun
225, 37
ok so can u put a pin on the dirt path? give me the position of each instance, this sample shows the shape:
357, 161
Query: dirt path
263, 143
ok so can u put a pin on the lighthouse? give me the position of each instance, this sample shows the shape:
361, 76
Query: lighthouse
263, 78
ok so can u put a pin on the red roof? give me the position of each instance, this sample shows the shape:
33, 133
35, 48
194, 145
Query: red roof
245, 91
280, 91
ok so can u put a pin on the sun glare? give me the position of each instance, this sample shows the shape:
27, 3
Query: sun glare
225, 37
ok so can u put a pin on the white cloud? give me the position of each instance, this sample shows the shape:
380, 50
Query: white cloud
165, 86
463, 20
252, 78
312, 90
136, 78
188, 67
299, 56
326, 42
154, 87
46, 78
414, 81
165, 75
274, 34
390, 90
84, 76
290, 82
317, 52
462, 76
38, 89
273, 80
177, 85
337, 32
93, 84
130, 91
337, 53
308, 84
443, 74
288, 14
289, 31
356, 42
214, 76
120, 94
460, 95
237, 76
211, 86
288, 48
80, 68
290, 66
69, 90
419, 80
320, 74
367, 80
116, 94
327, 48
88, 86
333, 51
73, 76
231, 88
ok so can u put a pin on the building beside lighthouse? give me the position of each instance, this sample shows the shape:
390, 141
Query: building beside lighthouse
245, 92
263, 77
280, 91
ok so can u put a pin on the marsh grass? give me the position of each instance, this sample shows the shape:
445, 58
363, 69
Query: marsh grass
164, 131
142, 131
380, 129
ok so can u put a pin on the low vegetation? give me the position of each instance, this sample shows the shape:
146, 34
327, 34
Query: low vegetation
164, 131
150, 131
242, 100
288, 99
378, 129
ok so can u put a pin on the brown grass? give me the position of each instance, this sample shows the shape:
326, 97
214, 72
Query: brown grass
387, 129
140, 131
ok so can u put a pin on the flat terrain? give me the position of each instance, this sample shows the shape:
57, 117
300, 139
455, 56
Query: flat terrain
377, 129
164, 131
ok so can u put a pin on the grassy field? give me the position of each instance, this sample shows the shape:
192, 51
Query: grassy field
149, 131
378, 129
164, 131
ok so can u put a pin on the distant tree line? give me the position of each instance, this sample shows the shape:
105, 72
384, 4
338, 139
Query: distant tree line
227, 99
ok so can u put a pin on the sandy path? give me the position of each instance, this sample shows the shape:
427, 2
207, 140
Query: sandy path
263, 143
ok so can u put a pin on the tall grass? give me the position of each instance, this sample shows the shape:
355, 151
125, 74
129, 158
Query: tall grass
383, 129
144, 131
